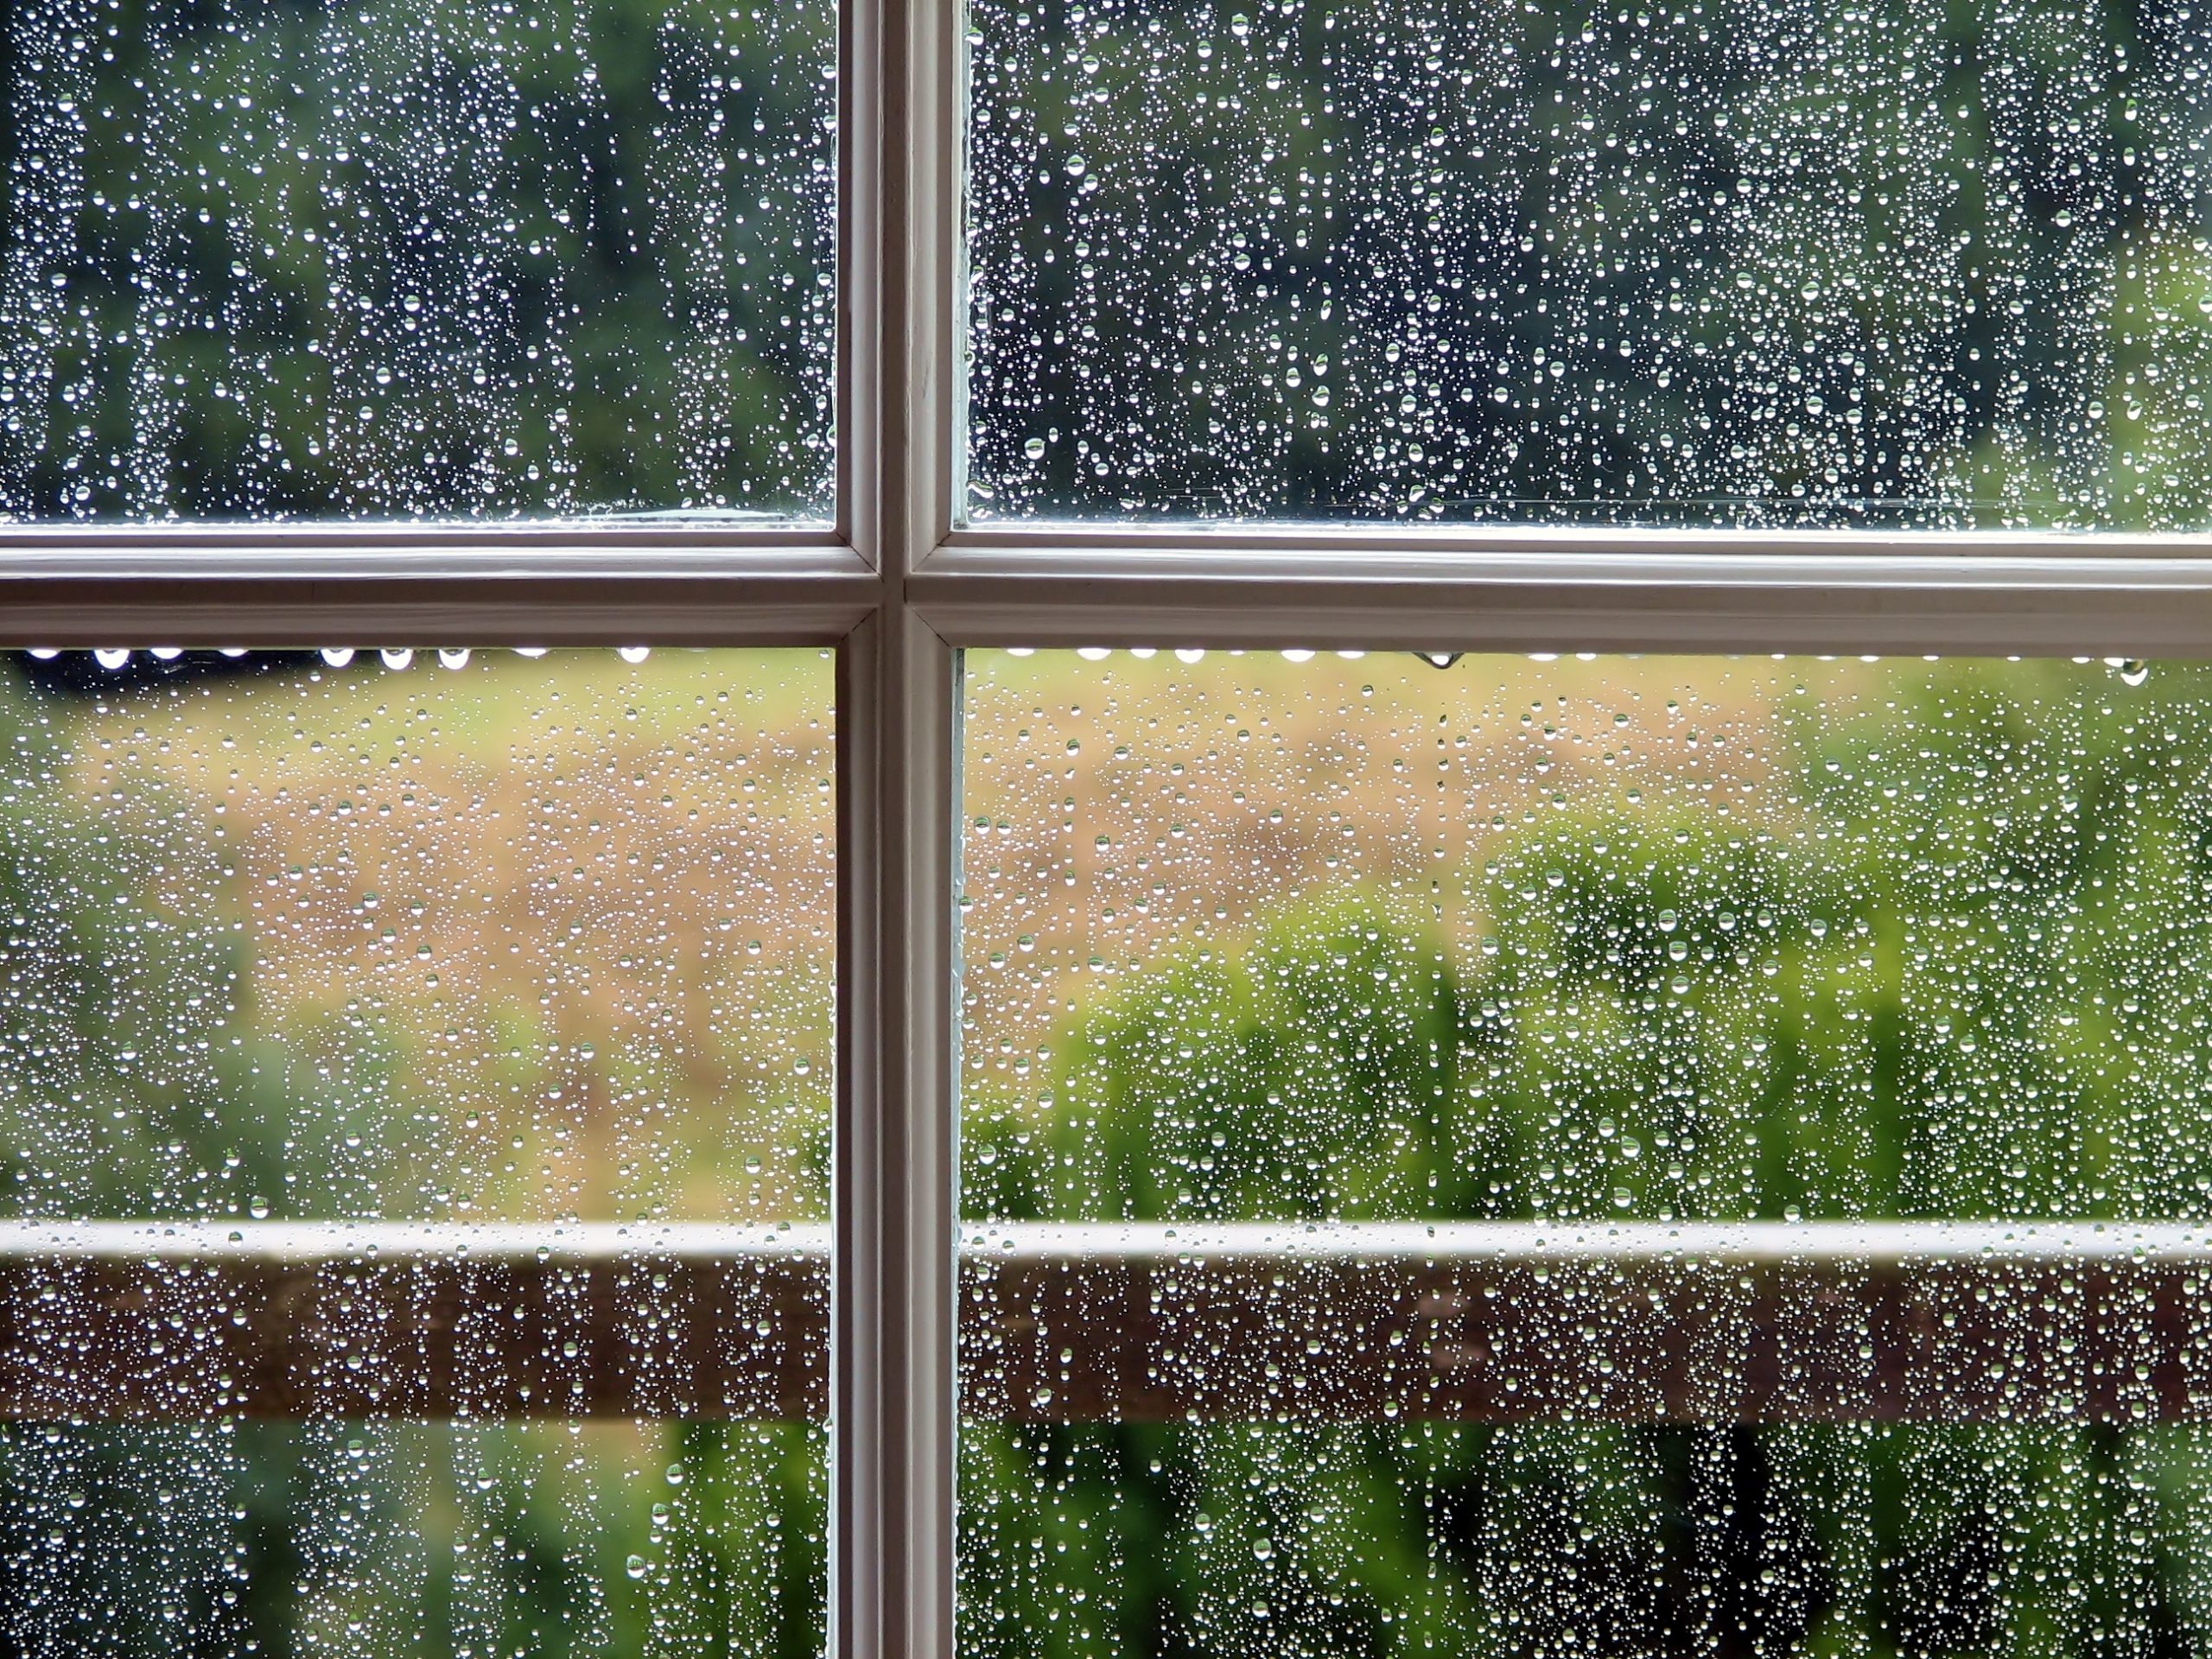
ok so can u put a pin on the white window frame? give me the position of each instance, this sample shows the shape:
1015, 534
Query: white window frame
899, 586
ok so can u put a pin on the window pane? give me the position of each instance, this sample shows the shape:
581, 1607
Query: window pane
415, 1085
1548, 1154
1755, 263
266, 260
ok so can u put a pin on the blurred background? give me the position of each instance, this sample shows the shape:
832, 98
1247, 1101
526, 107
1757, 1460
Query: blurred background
287, 259
1591, 262
1734, 262
1248, 936
436, 936
1568, 942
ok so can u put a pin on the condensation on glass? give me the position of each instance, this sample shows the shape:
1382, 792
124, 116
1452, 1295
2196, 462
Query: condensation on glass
1544, 1156
1749, 263
264, 261
414, 1082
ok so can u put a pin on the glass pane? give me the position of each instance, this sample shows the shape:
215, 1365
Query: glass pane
1628, 1155
415, 1087
1743, 263
270, 260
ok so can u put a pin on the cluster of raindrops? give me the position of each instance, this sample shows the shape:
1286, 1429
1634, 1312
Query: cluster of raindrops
1532, 973
1727, 262
118, 658
414, 1114
1254, 1540
415, 260
1683, 907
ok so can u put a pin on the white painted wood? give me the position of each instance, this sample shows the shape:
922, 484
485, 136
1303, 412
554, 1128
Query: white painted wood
1657, 593
620, 541
355, 1241
894, 1200
2044, 1239
893, 1340
1418, 544
653, 607
1736, 1243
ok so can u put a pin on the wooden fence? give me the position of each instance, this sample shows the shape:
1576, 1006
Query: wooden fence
1463, 1322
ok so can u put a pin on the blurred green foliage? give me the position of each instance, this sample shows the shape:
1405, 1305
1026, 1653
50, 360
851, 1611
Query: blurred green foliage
1728, 261
1711, 261
1967, 978
119, 959
278, 258
1964, 975
462, 1540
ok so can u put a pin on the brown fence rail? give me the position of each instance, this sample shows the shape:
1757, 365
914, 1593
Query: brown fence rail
129, 1322
1473, 1323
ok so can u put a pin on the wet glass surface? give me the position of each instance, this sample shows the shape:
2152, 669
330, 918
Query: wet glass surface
415, 1076
1627, 1156
1735, 262
261, 259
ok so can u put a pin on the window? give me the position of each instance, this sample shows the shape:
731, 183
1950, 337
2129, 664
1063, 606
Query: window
1603, 265
269, 263
800, 331
1588, 1150
416, 1106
